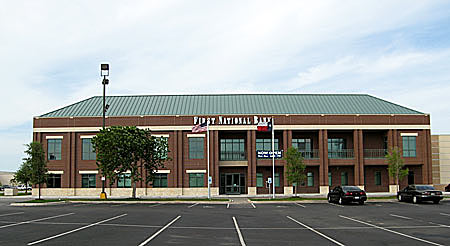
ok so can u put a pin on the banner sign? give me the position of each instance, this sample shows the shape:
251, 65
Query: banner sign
268, 154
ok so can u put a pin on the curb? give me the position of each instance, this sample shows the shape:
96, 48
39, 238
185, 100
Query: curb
149, 202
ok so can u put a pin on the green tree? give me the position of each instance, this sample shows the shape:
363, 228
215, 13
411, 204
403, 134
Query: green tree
128, 148
396, 166
295, 167
23, 175
38, 164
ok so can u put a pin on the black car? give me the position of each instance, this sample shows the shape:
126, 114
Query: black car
345, 194
418, 193
447, 188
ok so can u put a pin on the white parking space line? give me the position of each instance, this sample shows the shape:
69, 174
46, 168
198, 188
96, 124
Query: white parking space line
444, 214
1, 215
82, 204
336, 205
158, 232
395, 232
228, 205
74, 230
27, 222
298, 204
241, 239
195, 204
155, 205
313, 230
399, 216
253, 205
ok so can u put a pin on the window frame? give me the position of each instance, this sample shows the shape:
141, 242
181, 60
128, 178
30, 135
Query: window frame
377, 178
196, 180
158, 178
259, 180
52, 180
344, 174
306, 141
196, 148
409, 144
91, 180
234, 147
310, 179
122, 180
90, 153
53, 143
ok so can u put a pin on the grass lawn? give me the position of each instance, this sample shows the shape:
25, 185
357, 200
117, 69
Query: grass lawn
19, 194
42, 201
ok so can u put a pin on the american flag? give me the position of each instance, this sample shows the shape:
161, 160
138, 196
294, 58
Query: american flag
203, 127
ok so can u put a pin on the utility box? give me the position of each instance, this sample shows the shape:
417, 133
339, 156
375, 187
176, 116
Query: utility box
11, 192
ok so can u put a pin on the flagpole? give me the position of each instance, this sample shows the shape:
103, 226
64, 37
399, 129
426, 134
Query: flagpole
207, 139
273, 159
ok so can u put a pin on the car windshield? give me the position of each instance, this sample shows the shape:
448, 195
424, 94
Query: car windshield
351, 188
424, 187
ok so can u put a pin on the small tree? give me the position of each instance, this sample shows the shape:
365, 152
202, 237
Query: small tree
295, 167
23, 175
396, 166
127, 148
38, 164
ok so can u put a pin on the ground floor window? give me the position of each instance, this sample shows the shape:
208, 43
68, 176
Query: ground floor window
310, 178
54, 181
160, 180
88, 181
330, 179
124, 180
196, 180
259, 180
344, 178
377, 178
277, 180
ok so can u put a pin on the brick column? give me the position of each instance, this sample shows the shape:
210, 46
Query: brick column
250, 176
323, 155
390, 147
72, 161
356, 157
426, 169
253, 150
216, 180
179, 163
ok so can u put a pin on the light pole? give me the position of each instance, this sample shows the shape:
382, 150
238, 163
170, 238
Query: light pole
104, 71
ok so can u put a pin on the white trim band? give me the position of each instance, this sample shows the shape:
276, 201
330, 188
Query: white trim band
87, 136
162, 171
196, 135
55, 172
160, 135
196, 171
409, 134
88, 172
54, 137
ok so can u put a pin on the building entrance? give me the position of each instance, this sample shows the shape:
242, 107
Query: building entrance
232, 183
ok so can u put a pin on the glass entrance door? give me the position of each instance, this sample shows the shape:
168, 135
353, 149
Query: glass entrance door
233, 183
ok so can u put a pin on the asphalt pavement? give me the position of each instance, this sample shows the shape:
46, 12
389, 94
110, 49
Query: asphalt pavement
375, 223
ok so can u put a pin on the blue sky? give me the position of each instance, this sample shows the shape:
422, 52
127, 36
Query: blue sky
50, 53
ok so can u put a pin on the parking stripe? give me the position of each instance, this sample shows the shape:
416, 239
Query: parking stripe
27, 222
228, 205
1, 215
336, 205
74, 230
241, 239
192, 205
253, 205
158, 232
303, 206
313, 230
155, 205
399, 216
445, 214
395, 232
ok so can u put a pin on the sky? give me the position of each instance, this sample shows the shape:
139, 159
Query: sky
50, 53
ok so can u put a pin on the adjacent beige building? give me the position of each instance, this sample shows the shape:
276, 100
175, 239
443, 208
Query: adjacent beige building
440, 160
5, 178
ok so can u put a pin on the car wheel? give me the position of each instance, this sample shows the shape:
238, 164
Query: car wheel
436, 201
329, 199
414, 200
341, 201
361, 202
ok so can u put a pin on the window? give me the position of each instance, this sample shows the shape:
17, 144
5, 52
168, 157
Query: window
344, 178
336, 144
124, 180
259, 180
330, 183
54, 181
196, 148
88, 181
310, 178
377, 178
196, 180
160, 180
232, 149
166, 150
277, 180
88, 152
266, 144
302, 144
54, 149
409, 146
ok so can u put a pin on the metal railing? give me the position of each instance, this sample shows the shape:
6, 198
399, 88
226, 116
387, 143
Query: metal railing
233, 156
310, 154
341, 154
375, 153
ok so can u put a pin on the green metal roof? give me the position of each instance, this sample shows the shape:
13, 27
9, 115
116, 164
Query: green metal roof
232, 104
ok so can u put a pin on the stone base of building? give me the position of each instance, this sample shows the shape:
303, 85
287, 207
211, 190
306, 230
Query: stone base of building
251, 191
361, 187
126, 192
393, 188
288, 190
324, 189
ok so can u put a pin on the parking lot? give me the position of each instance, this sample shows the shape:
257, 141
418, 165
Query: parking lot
375, 223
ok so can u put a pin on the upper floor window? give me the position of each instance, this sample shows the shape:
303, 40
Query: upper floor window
266, 144
302, 144
88, 152
196, 148
232, 149
54, 149
409, 146
336, 144
166, 150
